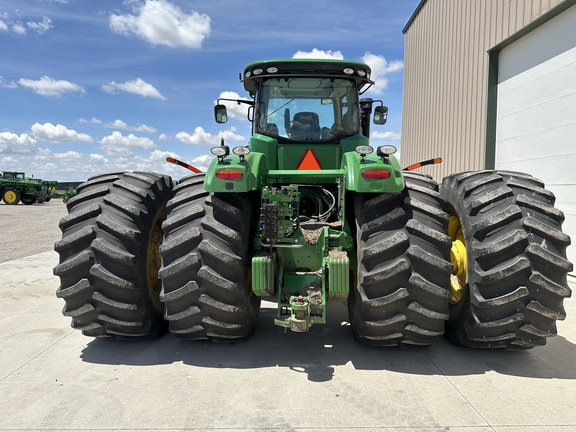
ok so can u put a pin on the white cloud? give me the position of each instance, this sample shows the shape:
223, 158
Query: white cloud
68, 156
161, 23
7, 84
202, 162
93, 120
157, 161
235, 110
201, 137
161, 155
164, 137
12, 143
8, 160
40, 27
204, 159
137, 86
379, 65
47, 86
97, 158
19, 29
44, 163
42, 154
319, 54
380, 69
119, 145
51, 167
119, 124
57, 133
393, 136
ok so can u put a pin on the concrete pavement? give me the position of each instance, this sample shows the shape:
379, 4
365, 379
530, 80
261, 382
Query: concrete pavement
53, 378
29, 229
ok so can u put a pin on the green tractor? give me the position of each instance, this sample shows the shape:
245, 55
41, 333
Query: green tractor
16, 187
308, 213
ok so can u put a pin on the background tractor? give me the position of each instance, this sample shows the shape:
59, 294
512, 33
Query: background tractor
16, 187
309, 212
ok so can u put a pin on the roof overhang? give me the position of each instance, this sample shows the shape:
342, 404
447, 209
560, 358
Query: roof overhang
414, 15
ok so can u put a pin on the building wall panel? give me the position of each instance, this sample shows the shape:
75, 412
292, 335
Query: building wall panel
446, 77
535, 111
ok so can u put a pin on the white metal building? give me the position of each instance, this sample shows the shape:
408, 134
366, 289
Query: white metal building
492, 84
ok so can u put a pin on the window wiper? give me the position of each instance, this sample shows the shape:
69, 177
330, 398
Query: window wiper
278, 109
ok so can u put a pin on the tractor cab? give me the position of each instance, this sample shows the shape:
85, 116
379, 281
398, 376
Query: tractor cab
296, 110
13, 175
302, 106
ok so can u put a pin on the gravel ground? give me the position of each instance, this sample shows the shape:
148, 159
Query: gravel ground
29, 229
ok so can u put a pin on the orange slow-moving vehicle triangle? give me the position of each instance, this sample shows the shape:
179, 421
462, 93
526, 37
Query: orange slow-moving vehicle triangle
309, 161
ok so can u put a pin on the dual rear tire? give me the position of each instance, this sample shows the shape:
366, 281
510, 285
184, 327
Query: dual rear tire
137, 253
109, 258
514, 279
401, 297
113, 247
206, 260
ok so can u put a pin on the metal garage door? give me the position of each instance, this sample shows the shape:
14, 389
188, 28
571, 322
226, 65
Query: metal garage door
536, 111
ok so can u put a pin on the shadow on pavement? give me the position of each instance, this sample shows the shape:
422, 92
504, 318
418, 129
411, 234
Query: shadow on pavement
317, 352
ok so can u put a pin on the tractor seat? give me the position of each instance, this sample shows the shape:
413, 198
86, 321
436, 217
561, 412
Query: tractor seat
305, 125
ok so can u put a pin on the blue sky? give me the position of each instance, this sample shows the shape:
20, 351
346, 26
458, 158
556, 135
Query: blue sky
88, 87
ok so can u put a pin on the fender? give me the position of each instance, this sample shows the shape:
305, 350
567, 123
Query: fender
245, 174
354, 166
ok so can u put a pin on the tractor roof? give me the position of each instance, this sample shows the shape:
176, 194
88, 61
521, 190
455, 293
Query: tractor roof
255, 71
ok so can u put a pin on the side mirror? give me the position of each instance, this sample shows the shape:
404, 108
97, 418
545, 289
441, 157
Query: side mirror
380, 115
220, 114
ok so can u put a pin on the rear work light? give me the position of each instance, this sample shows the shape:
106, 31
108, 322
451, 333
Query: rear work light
229, 174
241, 151
386, 150
375, 174
220, 151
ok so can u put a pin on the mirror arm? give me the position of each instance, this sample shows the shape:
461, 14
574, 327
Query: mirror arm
238, 101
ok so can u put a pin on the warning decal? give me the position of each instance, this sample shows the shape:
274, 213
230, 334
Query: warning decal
309, 161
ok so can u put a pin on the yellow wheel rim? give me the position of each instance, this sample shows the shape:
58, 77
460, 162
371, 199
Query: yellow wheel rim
10, 196
458, 258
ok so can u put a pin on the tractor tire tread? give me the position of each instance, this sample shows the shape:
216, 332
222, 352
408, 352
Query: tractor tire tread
516, 254
103, 255
204, 274
404, 268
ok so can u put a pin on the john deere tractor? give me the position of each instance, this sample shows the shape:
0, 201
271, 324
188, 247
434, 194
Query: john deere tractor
310, 212
16, 187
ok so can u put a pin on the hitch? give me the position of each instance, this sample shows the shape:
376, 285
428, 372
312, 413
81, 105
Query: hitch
299, 320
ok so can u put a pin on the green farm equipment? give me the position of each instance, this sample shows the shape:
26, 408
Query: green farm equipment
309, 212
16, 187
66, 193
